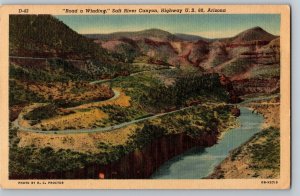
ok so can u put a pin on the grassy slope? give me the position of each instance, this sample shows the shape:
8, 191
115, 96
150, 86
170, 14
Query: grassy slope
259, 157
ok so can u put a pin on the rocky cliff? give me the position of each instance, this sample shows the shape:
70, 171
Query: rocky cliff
139, 164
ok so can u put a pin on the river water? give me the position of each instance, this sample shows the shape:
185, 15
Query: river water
200, 162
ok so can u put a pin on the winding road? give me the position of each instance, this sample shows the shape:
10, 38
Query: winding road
44, 58
100, 129
113, 127
16, 123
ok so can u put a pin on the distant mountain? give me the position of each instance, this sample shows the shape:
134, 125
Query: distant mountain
256, 33
152, 46
188, 37
249, 54
155, 34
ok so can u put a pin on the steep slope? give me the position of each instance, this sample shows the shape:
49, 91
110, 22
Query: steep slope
46, 36
192, 52
125, 48
149, 50
251, 60
49, 62
250, 54
36, 37
217, 55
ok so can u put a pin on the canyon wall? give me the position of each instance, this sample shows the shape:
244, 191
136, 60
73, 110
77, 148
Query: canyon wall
139, 164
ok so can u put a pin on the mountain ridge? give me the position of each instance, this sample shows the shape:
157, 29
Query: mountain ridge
254, 33
244, 55
152, 32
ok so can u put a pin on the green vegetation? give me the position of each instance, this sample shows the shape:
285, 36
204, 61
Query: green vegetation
54, 71
35, 75
196, 121
264, 72
70, 56
150, 94
263, 150
13, 139
185, 87
136, 86
145, 135
237, 66
41, 113
65, 71
218, 60
118, 114
265, 153
127, 52
31, 160
18, 94
36, 34
139, 67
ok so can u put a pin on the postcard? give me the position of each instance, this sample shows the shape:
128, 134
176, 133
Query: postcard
145, 96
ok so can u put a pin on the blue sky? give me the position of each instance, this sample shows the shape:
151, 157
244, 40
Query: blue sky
206, 25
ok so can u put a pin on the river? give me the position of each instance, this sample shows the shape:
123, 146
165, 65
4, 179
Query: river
200, 162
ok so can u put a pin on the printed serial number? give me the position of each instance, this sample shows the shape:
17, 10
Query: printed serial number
269, 182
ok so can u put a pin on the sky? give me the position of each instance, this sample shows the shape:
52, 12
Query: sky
205, 25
